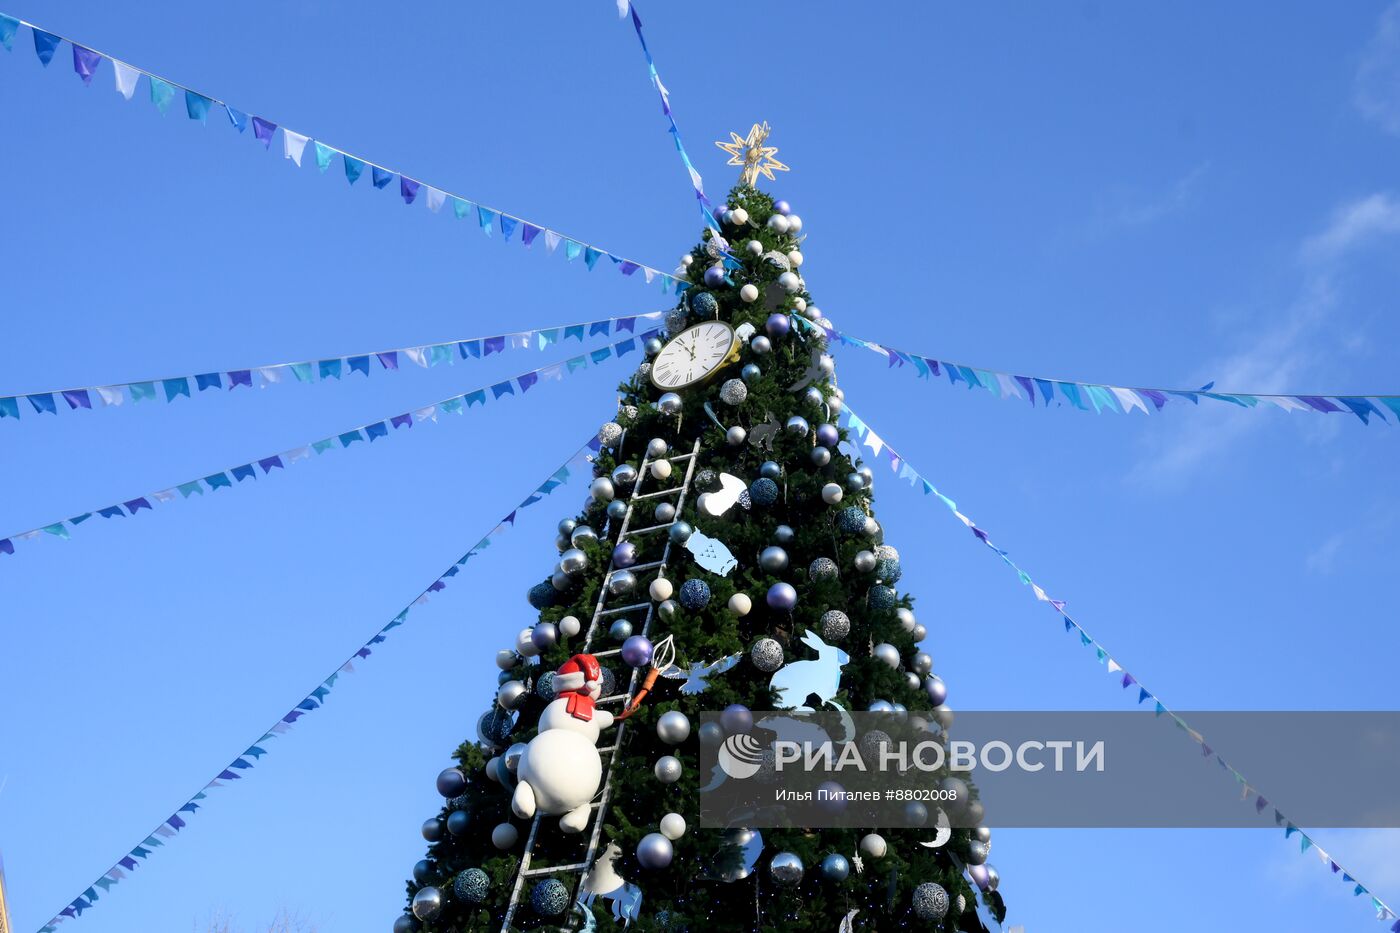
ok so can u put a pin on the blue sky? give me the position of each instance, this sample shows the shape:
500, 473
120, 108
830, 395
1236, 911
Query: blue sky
1112, 193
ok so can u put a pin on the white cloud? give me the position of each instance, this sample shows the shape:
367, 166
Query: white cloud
1372, 856
1354, 224
1378, 76
1124, 207
1323, 557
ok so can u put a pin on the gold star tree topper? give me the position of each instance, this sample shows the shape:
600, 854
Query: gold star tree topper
755, 158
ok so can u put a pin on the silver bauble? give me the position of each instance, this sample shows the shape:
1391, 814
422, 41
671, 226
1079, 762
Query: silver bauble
812, 397
888, 653
919, 632
868, 475
832, 494
750, 373
835, 867
864, 561
786, 868
930, 902
567, 526
906, 618
873, 845
581, 534
826, 364
911, 680
569, 626
655, 851
621, 630
982, 834
668, 769
977, 852
652, 346
675, 320
711, 733
667, 609
504, 836
664, 512
622, 582
954, 792
657, 447
733, 392
770, 469
880, 706
943, 715
511, 694
754, 248
610, 433
525, 643
617, 510
973, 812
545, 635
872, 528
673, 727
854, 483
624, 474
761, 345
821, 456
915, 813
512, 756
835, 403
773, 559
936, 689
993, 879
602, 489
506, 659
767, 655
669, 404
922, 662
427, 903
823, 568
835, 625
736, 436
574, 560
789, 282
561, 543
797, 426
560, 580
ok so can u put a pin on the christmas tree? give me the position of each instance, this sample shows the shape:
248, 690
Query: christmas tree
727, 533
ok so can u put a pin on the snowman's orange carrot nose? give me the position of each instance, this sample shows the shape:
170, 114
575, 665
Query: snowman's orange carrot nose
662, 657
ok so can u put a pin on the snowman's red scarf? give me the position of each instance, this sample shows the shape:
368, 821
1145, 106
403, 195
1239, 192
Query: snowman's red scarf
576, 680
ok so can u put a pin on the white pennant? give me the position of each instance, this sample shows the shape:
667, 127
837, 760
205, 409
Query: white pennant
126, 78
435, 198
551, 240
418, 356
111, 395
293, 145
1129, 400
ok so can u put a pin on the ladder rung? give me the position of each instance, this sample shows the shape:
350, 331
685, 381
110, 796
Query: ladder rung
657, 494
679, 457
554, 869
621, 609
606, 654
638, 568
614, 698
648, 529
607, 748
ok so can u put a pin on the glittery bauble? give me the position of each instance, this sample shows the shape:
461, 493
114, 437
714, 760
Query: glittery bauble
786, 868
668, 769
637, 651
777, 261
782, 596
427, 903
881, 598
960, 903
673, 727
549, 898
676, 320
451, 782
930, 902
704, 304
773, 559
471, 886
888, 570
836, 625
706, 480
823, 568
695, 594
887, 653
835, 867
977, 852
851, 519
610, 433
655, 851
733, 392
797, 426
873, 845
496, 726
763, 492
544, 687
541, 595
936, 689
767, 655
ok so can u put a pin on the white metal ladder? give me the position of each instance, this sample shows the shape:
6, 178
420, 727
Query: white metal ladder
601, 612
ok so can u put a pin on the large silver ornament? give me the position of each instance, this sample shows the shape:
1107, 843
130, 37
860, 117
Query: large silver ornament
930, 902
786, 868
610, 433
767, 655
574, 560
888, 653
427, 903
673, 727
835, 624
733, 392
773, 559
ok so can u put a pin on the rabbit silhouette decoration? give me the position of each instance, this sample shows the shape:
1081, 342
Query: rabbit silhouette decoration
795, 683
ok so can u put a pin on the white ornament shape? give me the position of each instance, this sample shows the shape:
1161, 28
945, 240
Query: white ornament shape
711, 553
722, 500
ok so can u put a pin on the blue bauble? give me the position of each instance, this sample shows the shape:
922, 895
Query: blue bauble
714, 276
625, 554
770, 469
542, 595
471, 886
549, 898
736, 718
457, 822
881, 598
496, 725
544, 687
680, 532
887, 569
695, 594
835, 867
763, 492
406, 923
451, 782
851, 520
704, 304
423, 871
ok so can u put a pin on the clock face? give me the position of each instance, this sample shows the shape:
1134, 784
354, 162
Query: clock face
692, 355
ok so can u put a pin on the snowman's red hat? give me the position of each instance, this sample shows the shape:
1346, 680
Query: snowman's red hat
579, 679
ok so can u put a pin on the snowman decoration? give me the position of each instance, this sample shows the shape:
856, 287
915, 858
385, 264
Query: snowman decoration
561, 769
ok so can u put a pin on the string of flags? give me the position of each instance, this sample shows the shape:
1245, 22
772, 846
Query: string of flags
903, 470
376, 430
198, 106
1096, 397
168, 828
429, 355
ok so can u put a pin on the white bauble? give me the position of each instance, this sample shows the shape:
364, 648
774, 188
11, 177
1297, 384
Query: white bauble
740, 604
873, 845
525, 643
661, 469
795, 258
673, 826
832, 493
661, 589
779, 224
794, 223
738, 217
749, 293
569, 626
799, 304
754, 247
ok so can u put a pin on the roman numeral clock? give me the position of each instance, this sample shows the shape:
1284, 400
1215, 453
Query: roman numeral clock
695, 356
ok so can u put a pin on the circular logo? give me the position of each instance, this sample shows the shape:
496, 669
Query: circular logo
740, 756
